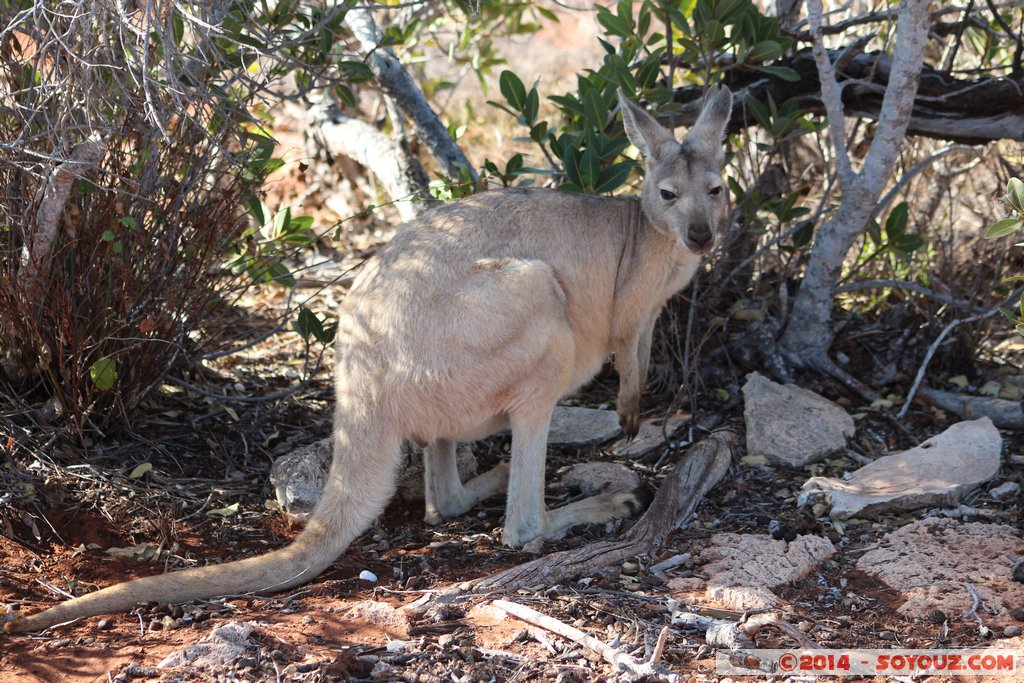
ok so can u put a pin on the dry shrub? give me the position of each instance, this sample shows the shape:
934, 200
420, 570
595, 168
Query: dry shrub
92, 319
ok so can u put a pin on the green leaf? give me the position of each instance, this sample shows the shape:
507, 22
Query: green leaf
104, 373
613, 176
1002, 228
783, 72
896, 223
513, 90
1015, 194
590, 169
307, 324
108, 236
768, 51
128, 222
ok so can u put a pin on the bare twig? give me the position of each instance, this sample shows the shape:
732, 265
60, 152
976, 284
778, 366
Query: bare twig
912, 287
610, 654
938, 341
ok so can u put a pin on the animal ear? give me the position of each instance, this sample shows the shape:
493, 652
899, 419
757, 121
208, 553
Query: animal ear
646, 134
714, 117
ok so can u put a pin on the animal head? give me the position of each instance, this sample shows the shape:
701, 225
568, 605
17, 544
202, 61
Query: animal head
684, 194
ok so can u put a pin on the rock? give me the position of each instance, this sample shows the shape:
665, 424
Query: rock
789, 425
741, 569
931, 562
652, 435
936, 473
299, 477
381, 616
600, 477
1012, 631
577, 427
410, 477
224, 645
1005, 490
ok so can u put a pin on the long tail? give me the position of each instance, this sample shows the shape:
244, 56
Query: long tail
353, 497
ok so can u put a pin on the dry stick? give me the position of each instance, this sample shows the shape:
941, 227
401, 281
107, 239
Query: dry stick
684, 487
938, 340
610, 654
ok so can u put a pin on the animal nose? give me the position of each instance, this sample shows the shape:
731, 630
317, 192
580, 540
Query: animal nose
700, 235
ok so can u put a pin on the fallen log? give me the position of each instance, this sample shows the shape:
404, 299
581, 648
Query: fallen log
678, 496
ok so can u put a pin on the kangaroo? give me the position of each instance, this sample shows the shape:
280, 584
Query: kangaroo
477, 316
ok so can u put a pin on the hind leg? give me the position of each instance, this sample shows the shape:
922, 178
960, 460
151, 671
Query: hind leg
444, 492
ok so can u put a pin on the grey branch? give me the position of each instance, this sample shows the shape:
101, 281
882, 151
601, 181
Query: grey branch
396, 83
399, 170
808, 337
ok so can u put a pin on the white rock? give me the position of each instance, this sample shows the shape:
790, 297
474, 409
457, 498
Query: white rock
577, 427
931, 563
223, 645
367, 575
600, 477
790, 425
936, 473
1005, 490
741, 569
652, 435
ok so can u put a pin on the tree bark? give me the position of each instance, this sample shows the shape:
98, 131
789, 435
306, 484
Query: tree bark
808, 335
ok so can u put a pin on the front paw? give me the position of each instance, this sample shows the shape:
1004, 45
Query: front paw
629, 421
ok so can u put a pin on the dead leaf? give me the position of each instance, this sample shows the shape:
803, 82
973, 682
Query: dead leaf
224, 512
140, 470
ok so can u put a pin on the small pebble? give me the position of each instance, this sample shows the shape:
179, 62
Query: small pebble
936, 616
781, 532
1005, 490
1018, 614
367, 575
105, 624
1012, 631
887, 635
140, 672
308, 619
1018, 572
246, 663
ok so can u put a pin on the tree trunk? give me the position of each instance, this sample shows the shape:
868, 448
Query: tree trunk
808, 335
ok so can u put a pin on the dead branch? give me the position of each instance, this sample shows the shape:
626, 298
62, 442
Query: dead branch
403, 176
683, 489
610, 654
963, 110
1003, 413
396, 83
725, 633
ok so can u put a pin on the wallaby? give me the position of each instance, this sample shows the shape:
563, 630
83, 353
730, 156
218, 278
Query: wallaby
480, 315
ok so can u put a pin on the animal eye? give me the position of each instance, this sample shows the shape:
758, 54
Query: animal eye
715, 191
668, 195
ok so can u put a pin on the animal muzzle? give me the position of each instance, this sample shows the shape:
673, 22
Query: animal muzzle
700, 239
